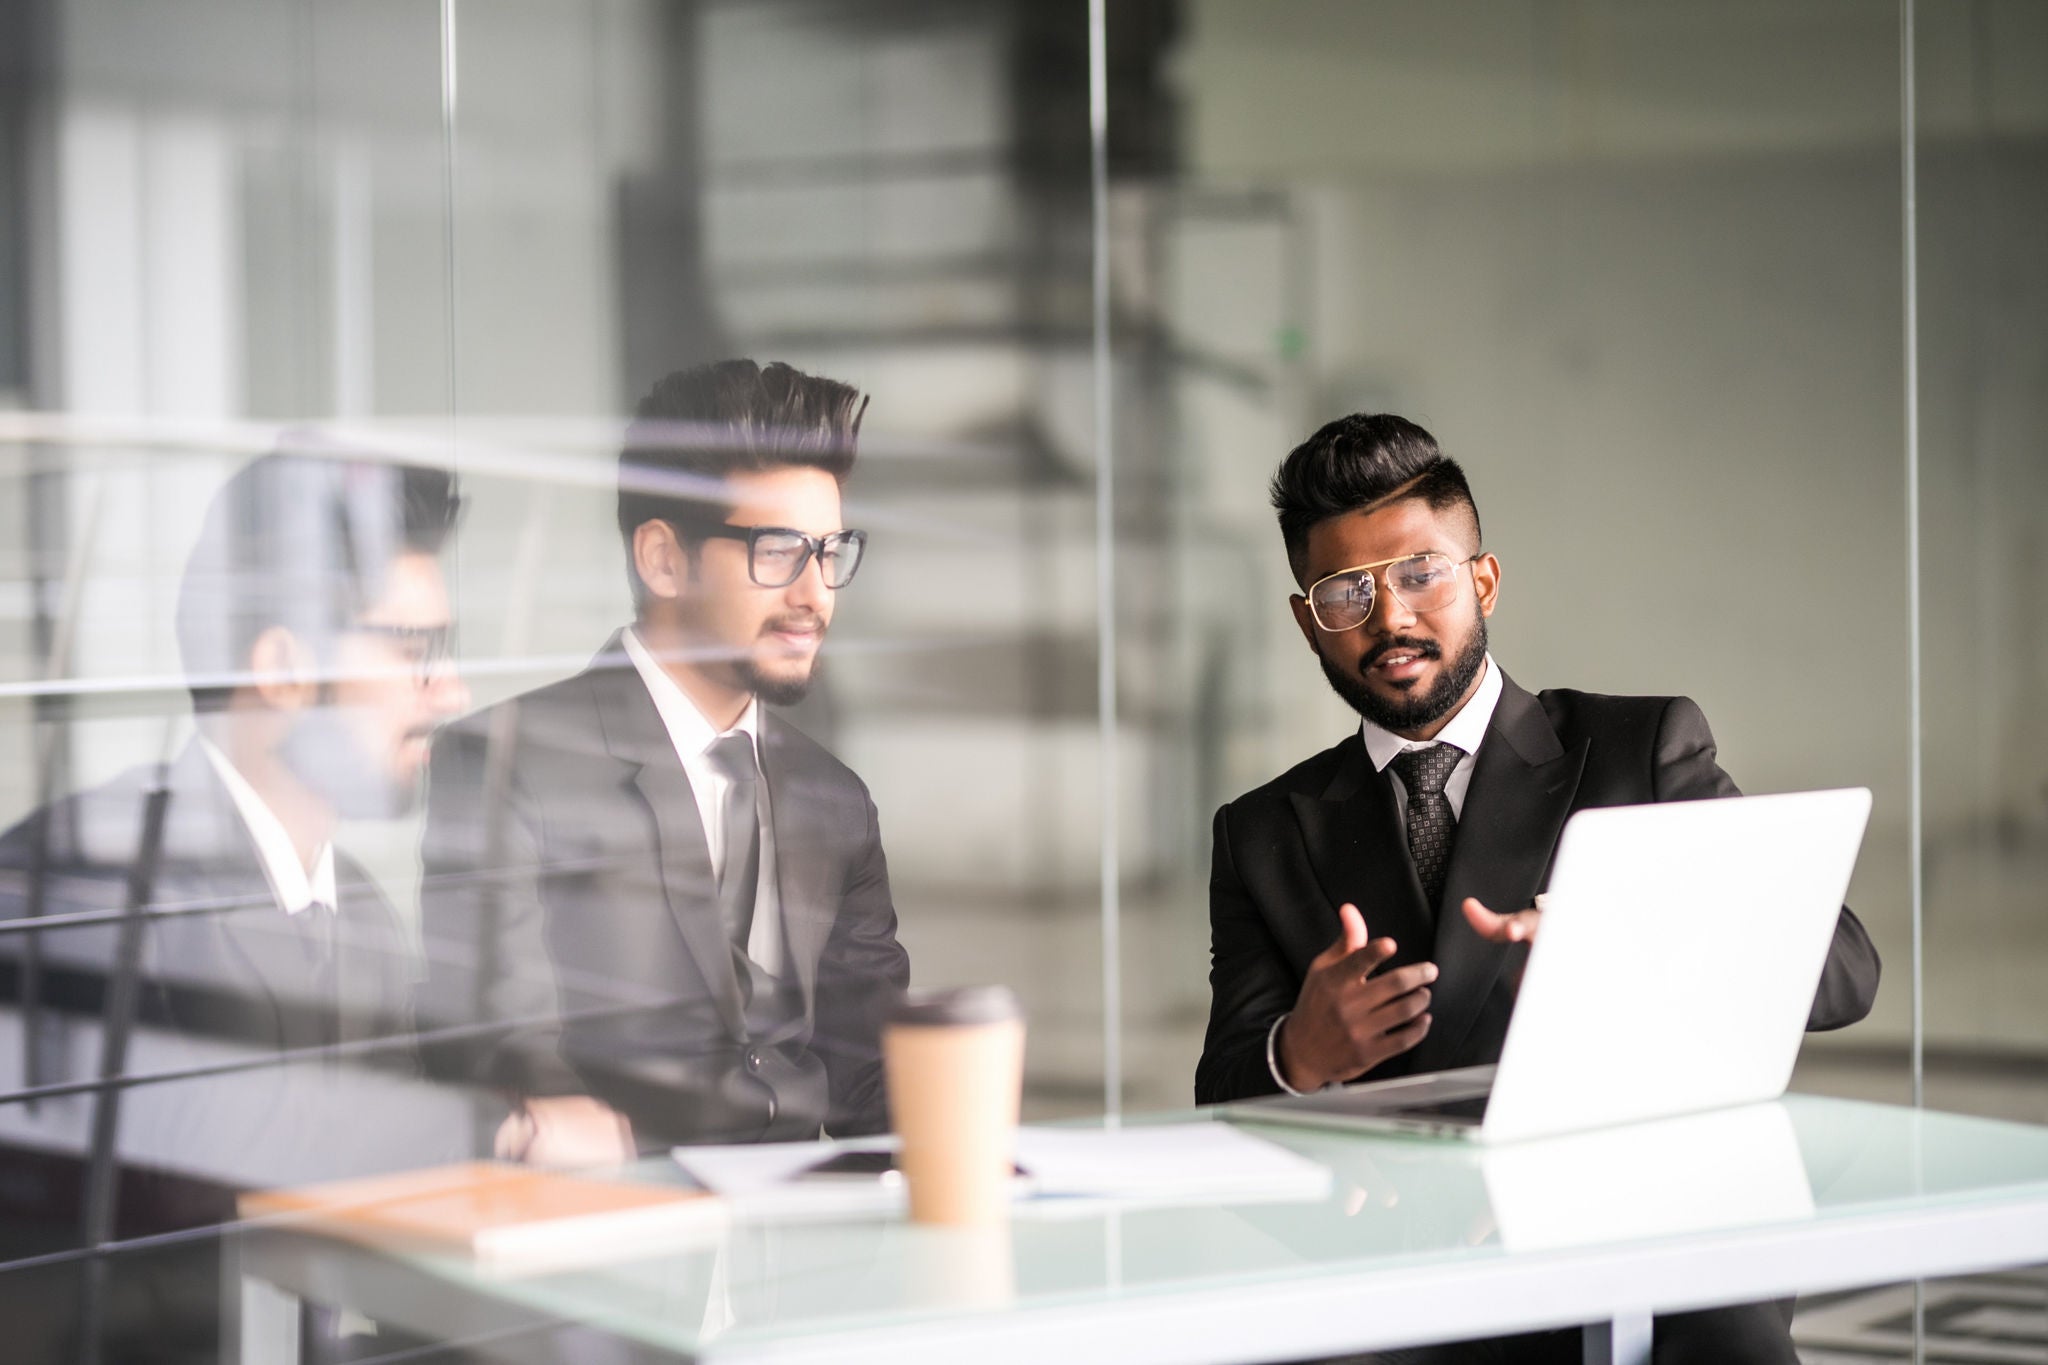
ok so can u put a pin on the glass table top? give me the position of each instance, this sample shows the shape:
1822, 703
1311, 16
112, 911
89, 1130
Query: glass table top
1392, 1202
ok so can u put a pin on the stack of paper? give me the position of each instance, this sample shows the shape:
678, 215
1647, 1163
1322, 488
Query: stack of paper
763, 1179
1177, 1163
1181, 1163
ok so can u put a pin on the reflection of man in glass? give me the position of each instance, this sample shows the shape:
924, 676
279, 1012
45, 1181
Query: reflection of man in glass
215, 946
670, 908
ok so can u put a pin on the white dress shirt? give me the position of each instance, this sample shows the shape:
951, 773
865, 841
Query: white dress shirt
1465, 730
693, 735
294, 888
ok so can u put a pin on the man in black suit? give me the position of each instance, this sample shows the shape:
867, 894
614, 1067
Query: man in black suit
1371, 908
216, 949
664, 910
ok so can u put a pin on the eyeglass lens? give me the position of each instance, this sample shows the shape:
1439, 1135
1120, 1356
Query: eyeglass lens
427, 649
1344, 601
779, 556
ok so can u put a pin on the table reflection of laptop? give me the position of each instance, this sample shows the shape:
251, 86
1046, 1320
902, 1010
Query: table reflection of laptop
1682, 944
1731, 1168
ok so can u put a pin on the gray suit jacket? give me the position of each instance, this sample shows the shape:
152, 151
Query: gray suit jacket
224, 979
573, 931
1326, 831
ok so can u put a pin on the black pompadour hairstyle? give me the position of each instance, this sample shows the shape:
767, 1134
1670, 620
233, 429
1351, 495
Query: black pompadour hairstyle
300, 538
700, 425
1356, 462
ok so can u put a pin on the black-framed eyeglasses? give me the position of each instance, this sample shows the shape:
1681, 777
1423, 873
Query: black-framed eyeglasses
1422, 583
428, 649
777, 554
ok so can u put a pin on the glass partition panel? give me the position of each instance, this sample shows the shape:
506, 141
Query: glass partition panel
268, 275
893, 196
223, 240
1983, 268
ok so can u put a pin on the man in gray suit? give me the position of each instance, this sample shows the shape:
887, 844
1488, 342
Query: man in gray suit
655, 911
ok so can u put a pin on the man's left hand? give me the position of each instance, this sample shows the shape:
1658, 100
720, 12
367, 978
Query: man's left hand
1517, 927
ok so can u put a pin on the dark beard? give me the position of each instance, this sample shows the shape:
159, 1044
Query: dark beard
323, 752
776, 691
1413, 711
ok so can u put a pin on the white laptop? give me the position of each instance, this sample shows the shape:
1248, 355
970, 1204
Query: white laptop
1679, 952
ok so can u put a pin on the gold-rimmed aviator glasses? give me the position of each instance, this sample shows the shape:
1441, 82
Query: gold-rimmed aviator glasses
1422, 583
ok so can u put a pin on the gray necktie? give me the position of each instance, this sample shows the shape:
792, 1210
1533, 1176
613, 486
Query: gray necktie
1431, 826
319, 928
740, 819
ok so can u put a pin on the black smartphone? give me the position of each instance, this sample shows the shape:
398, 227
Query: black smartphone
861, 1166
852, 1166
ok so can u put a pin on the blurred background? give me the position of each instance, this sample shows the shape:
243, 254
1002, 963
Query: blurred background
1639, 265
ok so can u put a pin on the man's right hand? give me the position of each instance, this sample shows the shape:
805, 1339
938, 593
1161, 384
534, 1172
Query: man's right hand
566, 1130
1346, 1021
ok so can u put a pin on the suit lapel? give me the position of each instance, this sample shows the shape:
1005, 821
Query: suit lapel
803, 873
1523, 782
209, 856
634, 734
1355, 843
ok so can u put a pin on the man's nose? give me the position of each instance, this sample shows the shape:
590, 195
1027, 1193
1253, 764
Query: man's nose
1390, 613
447, 693
809, 590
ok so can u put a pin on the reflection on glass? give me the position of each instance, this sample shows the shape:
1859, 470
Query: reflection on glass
1741, 1168
210, 994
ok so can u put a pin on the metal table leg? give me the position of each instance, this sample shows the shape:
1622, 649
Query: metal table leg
1624, 1341
260, 1324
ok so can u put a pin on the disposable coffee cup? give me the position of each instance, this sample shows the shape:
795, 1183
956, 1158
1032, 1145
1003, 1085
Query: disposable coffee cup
955, 1063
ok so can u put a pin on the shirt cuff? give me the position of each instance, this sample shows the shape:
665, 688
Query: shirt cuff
1273, 1057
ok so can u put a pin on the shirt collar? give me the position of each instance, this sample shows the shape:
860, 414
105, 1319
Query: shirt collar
1467, 728
295, 890
688, 731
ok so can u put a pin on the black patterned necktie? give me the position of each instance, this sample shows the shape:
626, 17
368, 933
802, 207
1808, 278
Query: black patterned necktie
1431, 827
740, 819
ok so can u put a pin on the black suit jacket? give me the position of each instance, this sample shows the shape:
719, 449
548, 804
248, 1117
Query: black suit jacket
1327, 831
571, 921
223, 976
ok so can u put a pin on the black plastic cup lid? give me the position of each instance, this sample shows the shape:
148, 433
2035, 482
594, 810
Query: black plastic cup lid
960, 1005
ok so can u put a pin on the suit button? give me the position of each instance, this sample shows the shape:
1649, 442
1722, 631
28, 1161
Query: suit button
753, 1059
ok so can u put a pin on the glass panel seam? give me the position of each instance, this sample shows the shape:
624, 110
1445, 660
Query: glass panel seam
1105, 561
1909, 289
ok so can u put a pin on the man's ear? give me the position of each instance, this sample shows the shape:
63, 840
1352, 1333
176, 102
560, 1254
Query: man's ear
286, 674
1304, 618
659, 559
1486, 582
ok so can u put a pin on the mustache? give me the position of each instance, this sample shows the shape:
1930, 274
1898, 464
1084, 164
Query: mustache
1428, 649
795, 620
